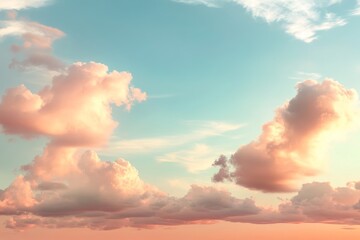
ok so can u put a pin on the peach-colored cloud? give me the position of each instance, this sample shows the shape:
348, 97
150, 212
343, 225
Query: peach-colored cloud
88, 192
316, 202
289, 146
104, 205
75, 110
17, 197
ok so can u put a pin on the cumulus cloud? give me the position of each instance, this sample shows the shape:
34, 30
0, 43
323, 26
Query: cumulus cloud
105, 195
289, 146
67, 110
22, 4
301, 19
316, 202
319, 202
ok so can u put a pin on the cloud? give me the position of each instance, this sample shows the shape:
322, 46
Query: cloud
36, 48
88, 192
356, 11
301, 19
38, 60
307, 75
316, 202
110, 195
204, 129
289, 147
34, 35
208, 3
319, 202
67, 110
224, 171
22, 4
195, 159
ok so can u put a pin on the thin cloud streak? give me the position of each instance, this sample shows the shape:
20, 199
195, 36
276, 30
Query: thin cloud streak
195, 159
205, 129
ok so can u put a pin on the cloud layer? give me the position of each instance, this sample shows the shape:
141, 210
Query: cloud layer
289, 147
112, 202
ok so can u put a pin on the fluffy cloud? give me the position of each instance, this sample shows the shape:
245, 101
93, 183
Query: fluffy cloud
316, 202
289, 146
319, 202
105, 195
301, 19
73, 108
109, 207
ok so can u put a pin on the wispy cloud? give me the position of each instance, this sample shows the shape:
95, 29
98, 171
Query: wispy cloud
307, 75
208, 3
195, 159
356, 11
301, 19
204, 129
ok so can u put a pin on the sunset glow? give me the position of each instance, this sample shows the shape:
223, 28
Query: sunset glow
179, 119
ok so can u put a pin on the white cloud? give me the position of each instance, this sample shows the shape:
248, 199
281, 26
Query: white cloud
356, 11
21, 4
301, 19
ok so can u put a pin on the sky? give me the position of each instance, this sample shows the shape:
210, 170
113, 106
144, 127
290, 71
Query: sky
181, 119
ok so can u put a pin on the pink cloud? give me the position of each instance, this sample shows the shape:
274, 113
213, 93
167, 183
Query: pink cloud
75, 110
88, 192
289, 147
108, 207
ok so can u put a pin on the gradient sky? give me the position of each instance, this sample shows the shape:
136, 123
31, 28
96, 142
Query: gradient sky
87, 151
